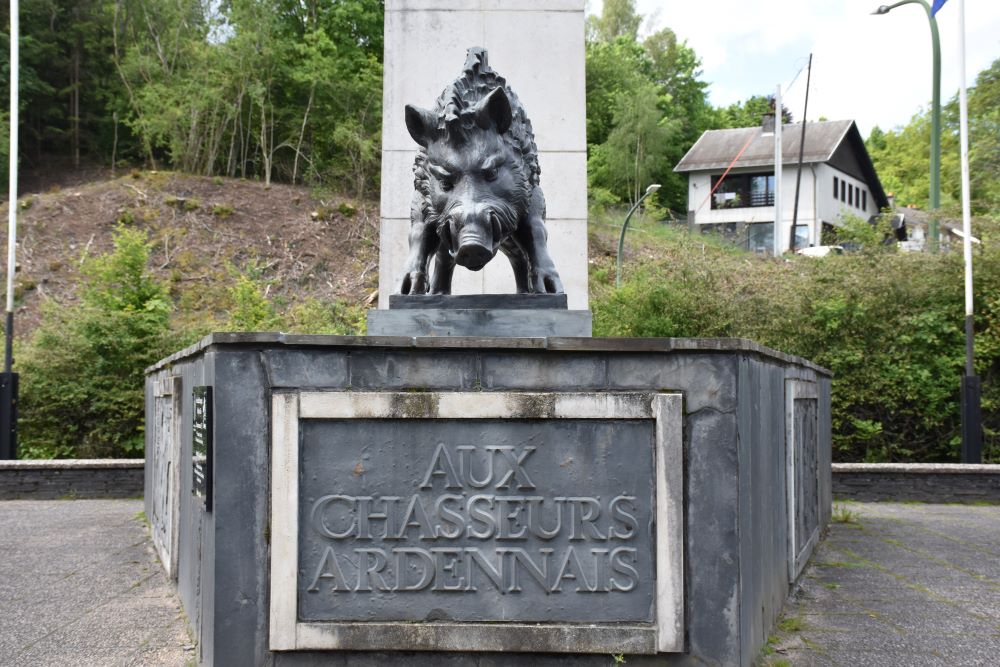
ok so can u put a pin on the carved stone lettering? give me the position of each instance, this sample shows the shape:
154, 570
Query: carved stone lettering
476, 520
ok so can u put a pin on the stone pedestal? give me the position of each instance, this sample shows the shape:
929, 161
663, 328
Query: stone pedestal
428, 501
479, 315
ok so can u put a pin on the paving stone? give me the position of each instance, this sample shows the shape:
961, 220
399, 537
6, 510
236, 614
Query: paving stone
908, 584
82, 586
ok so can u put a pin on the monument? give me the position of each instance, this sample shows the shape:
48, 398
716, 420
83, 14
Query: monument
477, 192
518, 494
477, 186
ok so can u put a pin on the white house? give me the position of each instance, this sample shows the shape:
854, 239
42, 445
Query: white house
837, 177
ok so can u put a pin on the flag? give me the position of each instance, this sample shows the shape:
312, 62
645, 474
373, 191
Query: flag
938, 4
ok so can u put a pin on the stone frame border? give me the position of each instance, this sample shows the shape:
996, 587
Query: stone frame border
665, 634
797, 389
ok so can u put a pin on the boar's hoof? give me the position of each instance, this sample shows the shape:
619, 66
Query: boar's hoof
546, 282
473, 256
414, 282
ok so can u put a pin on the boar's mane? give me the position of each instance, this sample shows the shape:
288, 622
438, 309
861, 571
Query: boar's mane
477, 81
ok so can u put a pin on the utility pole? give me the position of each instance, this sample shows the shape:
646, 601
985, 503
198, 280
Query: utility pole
778, 227
802, 149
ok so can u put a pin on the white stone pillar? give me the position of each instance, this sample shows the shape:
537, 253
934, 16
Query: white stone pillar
538, 47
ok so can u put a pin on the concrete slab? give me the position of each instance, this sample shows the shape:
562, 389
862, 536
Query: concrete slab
83, 586
80, 585
899, 584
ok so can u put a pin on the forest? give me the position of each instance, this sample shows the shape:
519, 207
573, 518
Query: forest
287, 95
287, 91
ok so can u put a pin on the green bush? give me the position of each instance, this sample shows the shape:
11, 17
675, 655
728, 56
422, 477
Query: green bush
251, 309
82, 370
889, 325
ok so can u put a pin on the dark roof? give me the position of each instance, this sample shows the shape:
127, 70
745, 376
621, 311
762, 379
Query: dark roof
715, 149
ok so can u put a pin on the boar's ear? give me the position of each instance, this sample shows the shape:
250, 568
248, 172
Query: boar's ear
494, 109
421, 124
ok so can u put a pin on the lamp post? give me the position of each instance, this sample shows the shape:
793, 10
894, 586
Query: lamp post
935, 114
621, 239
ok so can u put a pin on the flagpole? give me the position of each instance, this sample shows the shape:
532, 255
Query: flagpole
972, 434
8, 379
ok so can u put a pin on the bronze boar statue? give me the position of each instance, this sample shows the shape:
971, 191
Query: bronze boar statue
476, 181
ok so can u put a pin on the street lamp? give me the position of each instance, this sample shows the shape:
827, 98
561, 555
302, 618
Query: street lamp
935, 114
621, 239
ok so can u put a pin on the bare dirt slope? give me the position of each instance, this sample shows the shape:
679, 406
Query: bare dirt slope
203, 232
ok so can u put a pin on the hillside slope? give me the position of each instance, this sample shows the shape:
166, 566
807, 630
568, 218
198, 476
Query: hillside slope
203, 232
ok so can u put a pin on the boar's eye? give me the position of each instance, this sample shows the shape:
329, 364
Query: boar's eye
443, 176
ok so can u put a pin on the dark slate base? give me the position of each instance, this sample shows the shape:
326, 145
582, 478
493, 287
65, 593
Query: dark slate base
735, 514
895, 482
478, 301
513, 323
54, 480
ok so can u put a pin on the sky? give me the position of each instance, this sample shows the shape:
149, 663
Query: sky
875, 70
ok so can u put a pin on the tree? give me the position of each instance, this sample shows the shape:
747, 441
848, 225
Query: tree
618, 19
646, 106
256, 88
626, 162
750, 112
677, 68
984, 140
83, 370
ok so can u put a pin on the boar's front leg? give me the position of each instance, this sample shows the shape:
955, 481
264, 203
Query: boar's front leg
533, 238
423, 241
444, 268
519, 264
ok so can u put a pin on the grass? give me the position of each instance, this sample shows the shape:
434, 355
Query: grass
791, 624
222, 210
841, 514
839, 563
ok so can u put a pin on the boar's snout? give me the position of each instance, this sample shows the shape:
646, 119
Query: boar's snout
473, 256
479, 236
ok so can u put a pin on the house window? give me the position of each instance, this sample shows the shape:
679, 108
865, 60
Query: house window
743, 190
727, 230
836, 186
864, 200
801, 236
850, 195
760, 237
843, 191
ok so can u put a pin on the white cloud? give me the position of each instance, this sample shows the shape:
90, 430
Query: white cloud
874, 69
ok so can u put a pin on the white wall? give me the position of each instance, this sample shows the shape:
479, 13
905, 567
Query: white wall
700, 184
537, 45
830, 208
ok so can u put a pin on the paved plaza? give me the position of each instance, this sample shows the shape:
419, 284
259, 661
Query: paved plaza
891, 584
901, 585
80, 585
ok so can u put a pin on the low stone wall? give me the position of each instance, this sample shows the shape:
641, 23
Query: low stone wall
924, 482
71, 478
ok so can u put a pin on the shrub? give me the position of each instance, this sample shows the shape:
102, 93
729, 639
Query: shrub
889, 325
251, 309
82, 370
